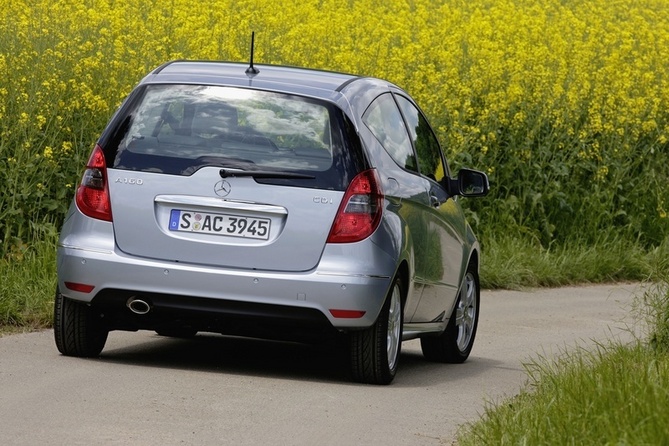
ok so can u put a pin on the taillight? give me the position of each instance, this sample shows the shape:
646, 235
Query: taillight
360, 211
93, 193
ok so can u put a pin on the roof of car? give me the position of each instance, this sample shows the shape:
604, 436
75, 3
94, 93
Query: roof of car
271, 77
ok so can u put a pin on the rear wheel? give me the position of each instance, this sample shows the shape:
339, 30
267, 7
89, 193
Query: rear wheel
375, 351
455, 344
76, 330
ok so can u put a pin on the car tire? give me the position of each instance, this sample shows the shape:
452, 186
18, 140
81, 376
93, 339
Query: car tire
375, 351
455, 343
184, 333
76, 330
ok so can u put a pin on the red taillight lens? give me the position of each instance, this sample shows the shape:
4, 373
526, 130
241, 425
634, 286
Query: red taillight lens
93, 194
360, 211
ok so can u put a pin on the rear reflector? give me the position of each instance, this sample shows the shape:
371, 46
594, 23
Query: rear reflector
347, 314
79, 287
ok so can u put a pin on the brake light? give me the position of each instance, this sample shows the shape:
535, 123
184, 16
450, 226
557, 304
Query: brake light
360, 211
93, 193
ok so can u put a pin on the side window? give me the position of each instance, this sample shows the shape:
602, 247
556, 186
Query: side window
384, 120
430, 161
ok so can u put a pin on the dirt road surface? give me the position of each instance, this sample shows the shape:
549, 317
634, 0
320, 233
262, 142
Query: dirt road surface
213, 390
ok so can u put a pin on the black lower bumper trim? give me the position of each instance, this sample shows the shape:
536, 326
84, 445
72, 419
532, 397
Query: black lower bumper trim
169, 311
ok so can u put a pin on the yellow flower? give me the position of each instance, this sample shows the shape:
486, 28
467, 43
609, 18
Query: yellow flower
66, 148
601, 174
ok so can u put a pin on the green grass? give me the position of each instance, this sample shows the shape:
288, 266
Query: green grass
615, 395
514, 263
27, 287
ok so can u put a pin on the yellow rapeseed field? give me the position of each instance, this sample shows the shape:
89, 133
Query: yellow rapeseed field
555, 99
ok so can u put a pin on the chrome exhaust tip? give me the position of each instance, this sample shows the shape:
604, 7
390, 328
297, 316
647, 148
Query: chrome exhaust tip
138, 306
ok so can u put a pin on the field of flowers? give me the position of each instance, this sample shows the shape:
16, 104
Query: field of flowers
565, 103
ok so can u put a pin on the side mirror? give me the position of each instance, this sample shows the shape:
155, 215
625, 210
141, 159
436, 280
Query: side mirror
470, 183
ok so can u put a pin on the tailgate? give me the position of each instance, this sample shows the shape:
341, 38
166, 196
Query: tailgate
253, 226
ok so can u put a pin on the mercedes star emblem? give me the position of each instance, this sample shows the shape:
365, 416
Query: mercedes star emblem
222, 188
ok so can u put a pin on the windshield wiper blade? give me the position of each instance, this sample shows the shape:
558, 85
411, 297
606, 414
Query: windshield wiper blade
228, 173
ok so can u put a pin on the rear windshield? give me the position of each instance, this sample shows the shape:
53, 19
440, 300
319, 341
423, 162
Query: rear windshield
178, 129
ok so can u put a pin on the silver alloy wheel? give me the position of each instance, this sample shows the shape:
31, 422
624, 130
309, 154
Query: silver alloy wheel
466, 312
394, 326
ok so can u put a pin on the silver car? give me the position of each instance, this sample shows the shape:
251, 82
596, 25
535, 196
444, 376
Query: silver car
271, 202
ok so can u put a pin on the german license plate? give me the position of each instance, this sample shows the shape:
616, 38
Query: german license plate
219, 224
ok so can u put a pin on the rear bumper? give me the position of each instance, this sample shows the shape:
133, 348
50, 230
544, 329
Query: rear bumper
168, 311
224, 300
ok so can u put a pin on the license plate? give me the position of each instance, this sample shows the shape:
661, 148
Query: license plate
219, 224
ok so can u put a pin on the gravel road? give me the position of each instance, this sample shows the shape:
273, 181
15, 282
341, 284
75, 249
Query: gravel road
213, 390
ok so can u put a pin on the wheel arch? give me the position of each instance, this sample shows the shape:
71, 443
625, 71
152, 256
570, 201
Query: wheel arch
403, 274
474, 257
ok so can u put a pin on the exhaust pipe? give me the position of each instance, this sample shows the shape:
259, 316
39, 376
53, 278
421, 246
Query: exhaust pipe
138, 306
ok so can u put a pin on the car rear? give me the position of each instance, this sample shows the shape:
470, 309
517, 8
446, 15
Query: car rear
219, 207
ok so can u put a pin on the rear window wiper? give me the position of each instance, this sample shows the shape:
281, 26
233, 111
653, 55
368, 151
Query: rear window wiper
227, 173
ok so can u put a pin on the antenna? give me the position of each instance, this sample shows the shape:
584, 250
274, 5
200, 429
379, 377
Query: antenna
251, 70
